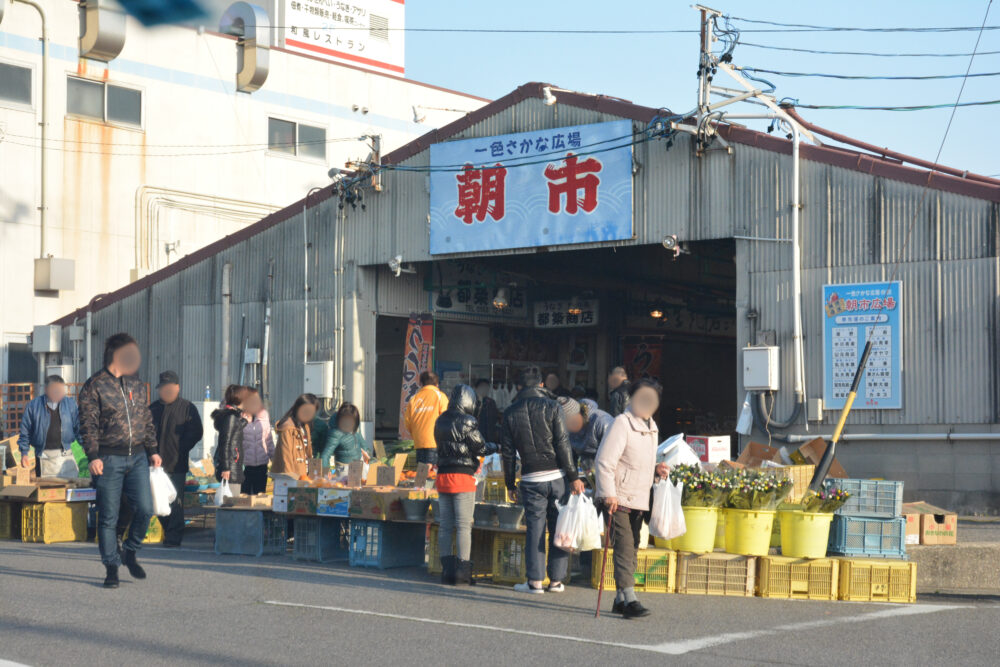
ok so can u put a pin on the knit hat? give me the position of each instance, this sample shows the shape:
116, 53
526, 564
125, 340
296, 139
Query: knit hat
569, 406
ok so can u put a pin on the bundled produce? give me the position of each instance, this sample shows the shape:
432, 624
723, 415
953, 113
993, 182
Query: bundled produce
701, 488
752, 490
827, 501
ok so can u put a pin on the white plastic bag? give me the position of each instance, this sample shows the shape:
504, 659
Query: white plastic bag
666, 520
744, 425
569, 525
675, 451
590, 534
222, 493
163, 491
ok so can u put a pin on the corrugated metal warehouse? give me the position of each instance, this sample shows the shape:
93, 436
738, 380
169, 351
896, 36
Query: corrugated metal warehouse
684, 318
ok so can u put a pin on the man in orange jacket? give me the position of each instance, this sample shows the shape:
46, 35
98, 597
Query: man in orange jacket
421, 413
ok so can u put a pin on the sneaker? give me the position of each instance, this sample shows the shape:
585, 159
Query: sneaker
556, 587
528, 588
111, 580
634, 610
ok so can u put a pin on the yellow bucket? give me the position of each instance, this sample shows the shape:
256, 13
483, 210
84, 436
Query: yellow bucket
720, 531
804, 534
700, 535
748, 532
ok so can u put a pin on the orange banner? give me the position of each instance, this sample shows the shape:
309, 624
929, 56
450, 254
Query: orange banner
416, 360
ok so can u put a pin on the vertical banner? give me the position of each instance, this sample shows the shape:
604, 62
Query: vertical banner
416, 360
853, 314
644, 359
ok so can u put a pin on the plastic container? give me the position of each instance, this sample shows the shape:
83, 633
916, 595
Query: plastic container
860, 536
249, 532
481, 554
798, 578
383, 544
720, 531
877, 581
874, 498
655, 572
716, 574
748, 532
509, 516
54, 522
415, 509
10, 521
800, 475
321, 539
495, 490
804, 534
510, 565
700, 536
484, 515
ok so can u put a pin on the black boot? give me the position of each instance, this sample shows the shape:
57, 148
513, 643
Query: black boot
111, 580
464, 573
448, 566
128, 560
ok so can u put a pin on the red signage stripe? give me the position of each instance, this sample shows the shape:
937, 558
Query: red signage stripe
345, 56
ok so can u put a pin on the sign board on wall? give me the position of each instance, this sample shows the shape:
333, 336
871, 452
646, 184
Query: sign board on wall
365, 33
548, 187
470, 287
557, 315
853, 314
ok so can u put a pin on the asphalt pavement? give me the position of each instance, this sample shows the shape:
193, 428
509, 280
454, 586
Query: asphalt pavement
199, 608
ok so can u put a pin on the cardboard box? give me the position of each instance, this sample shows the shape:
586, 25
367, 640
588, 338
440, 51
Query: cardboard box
710, 449
333, 502
812, 452
50, 493
303, 500
80, 495
937, 526
383, 503
279, 504
755, 453
912, 528
249, 502
282, 483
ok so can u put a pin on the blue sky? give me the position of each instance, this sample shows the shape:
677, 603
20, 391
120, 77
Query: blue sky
659, 70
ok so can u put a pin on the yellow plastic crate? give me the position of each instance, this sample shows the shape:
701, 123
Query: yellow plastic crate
481, 555
798, 578
510, 566
10, 521
655, 572
495, 491
716, 574
54, 522
866, 580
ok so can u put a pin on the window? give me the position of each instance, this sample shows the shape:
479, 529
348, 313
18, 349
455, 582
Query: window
104, 101
15, 84
378, 27
284, 136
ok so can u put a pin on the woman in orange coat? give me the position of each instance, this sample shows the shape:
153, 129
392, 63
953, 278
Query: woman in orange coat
294, 450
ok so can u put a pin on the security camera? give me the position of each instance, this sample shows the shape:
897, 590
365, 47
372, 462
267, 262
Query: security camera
396, 265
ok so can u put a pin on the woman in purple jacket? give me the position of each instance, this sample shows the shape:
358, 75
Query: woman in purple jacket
258, 444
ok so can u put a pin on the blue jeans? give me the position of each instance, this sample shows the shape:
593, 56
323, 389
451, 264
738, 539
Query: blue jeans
539, 500
128, 475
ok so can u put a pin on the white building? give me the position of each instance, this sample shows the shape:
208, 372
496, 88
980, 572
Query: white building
150, 152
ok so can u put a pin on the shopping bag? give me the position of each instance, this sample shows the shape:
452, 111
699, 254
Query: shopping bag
744, 425
222, 493
590, 534
666, 519
569, 524
162, 490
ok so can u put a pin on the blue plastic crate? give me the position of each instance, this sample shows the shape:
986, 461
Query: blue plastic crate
861, 536
249, 532
321, 539
870, 497
383, 545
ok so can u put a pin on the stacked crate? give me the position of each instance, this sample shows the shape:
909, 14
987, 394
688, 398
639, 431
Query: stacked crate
870, 524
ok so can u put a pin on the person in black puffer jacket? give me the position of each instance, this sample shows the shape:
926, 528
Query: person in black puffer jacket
229, 421
459, 446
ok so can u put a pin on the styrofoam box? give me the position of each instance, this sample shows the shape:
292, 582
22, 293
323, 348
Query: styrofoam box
710, 448
280, 504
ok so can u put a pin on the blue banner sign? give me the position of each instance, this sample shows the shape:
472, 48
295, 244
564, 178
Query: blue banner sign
549, 187
853, 314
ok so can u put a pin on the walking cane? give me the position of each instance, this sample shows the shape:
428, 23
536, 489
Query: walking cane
608, 533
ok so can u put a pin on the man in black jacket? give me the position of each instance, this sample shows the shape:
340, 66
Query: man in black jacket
618, 396
533, 428
116, 432
178, 430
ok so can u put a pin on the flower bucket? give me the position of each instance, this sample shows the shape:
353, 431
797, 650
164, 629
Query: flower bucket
700, 535
804, 534
720, 531
748, 532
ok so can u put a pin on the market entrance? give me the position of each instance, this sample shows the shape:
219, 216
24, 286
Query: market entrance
579, 314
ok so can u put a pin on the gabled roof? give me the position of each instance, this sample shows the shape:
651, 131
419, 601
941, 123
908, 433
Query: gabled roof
866, 162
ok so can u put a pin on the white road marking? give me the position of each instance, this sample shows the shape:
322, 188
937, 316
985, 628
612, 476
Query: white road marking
8, 663
670, 648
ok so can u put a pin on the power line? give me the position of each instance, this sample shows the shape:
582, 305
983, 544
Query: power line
915, 107
131, 154
825, 28
270, 144
793, 28
827, 52
866, 77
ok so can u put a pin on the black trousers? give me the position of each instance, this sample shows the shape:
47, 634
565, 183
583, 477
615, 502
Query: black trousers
254, 480
173, 525
626, 526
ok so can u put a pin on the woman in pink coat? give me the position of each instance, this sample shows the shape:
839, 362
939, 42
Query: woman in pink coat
626, 465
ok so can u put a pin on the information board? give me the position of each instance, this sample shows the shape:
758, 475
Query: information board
853, 314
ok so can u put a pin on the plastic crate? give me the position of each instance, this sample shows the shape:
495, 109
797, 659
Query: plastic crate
495, 491
716, 574
383, 545
655, 572
798, 578
321, 539
510, 565
860, 536
249, 532
481, 554
870, 497
10, 521
801, 476
877, 581
54, 522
